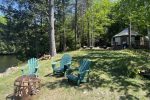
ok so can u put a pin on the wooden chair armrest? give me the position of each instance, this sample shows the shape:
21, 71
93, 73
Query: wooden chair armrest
37, 66
68, 64
86, 71
54, 63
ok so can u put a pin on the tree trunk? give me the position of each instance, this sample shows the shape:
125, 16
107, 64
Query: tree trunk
88, 25
130, 35
92, 33
76, 4
148, 31
51, 30
88, 33
60, 42
82, 36
64, 36
92, 40
36, 38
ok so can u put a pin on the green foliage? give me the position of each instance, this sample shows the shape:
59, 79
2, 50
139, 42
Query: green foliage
6, 44
133, 70
97, 15
3, 23
25, 27
3, 20
136, 11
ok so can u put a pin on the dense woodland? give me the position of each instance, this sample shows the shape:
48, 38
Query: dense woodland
26, 26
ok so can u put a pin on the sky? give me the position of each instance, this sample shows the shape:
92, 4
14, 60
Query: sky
0, 10
1, 3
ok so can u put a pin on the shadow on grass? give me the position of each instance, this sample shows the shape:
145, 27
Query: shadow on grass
109, 69
57, 84
128, 97
116, 66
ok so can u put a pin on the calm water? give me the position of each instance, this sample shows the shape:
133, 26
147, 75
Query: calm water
7, 61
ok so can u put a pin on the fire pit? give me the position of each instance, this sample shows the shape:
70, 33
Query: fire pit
26, 86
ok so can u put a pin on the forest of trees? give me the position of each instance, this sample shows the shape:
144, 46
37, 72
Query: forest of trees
32, 28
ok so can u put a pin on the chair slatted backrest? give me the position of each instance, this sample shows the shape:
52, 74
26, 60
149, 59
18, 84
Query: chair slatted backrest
85, 65
65, 60
32, 64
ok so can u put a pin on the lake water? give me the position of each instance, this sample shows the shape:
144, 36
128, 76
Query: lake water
7, 61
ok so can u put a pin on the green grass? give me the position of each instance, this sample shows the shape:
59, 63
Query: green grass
109, 79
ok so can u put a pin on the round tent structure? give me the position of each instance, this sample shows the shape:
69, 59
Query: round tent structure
123, 38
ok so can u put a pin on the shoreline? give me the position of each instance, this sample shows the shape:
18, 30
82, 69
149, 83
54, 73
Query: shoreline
3, 54
9, 71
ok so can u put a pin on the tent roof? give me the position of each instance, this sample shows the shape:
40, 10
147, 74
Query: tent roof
125, 33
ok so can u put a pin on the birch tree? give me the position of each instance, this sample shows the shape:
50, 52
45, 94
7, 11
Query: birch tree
51, 30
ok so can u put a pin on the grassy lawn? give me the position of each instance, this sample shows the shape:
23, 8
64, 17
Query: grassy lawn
109, 78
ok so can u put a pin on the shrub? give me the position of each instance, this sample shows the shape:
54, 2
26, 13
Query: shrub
133, 69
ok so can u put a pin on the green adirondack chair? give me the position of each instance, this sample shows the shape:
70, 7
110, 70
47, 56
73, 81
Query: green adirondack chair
82, 73
32, 67
65, 63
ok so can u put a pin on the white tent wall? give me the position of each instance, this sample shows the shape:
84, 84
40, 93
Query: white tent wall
118, 40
